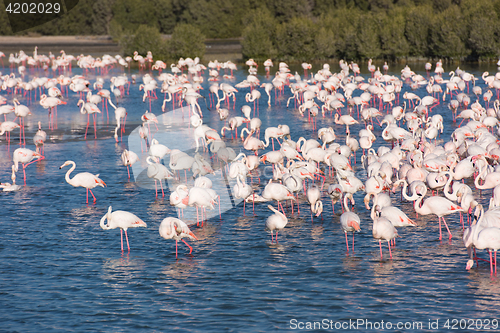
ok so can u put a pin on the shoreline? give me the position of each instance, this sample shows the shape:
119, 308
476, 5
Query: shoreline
95, 45
221, 50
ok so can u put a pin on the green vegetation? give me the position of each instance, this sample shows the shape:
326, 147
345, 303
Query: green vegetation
290, 30
186, 41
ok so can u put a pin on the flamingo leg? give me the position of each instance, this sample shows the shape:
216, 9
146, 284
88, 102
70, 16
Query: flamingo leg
126, 237
440, 235
95, 133
353, 242
197, 218
24, 174
491, 263
190, 248
446, 225
380, 245
276, 236
176, 248
346, 242
87, 196
390, 252
87, 128
121, 237
253, 203
95, 201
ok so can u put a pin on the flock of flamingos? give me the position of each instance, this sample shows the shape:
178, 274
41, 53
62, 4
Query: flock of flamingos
412, 158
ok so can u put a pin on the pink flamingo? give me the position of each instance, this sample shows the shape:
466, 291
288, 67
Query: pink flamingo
83, 179
435, 205
25, 157
277, 221
128, 158
123, 220
173, 228
89, 108
349, 221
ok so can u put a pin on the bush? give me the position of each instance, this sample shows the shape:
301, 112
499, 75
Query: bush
392, 35
325, 43
295, 40
368, 37
417, 30
186, 41
258, 35
447, 35
343, 22
143, 40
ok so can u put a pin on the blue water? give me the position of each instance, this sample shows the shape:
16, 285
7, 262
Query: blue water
62, 272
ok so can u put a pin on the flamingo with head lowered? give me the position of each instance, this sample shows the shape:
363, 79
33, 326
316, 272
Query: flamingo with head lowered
382, 229
25, 157
277, 221
173, 228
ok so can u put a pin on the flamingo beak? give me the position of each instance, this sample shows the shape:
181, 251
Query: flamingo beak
355, 225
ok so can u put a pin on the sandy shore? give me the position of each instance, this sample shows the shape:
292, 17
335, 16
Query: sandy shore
222, 50
95, 45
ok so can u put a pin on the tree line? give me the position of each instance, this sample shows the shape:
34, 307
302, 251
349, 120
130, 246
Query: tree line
291, 30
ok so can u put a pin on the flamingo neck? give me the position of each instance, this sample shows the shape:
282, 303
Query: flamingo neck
70, 180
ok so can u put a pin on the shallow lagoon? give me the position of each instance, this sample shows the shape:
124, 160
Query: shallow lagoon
62, 272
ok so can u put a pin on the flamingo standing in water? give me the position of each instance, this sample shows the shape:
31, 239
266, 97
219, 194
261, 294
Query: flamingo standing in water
8, 126
6, 109
173, 228
120, 113
349, 221
21, 111
277, 221
483, 236
89, 108
8, 187
50, 103
158, 172
39, 139
180, 198
123, 220
128, 158
242, 190
278, 192
251, 142
313, 195
83, 179
25, 157
346, 120
382, 229
435, 205
253, 97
